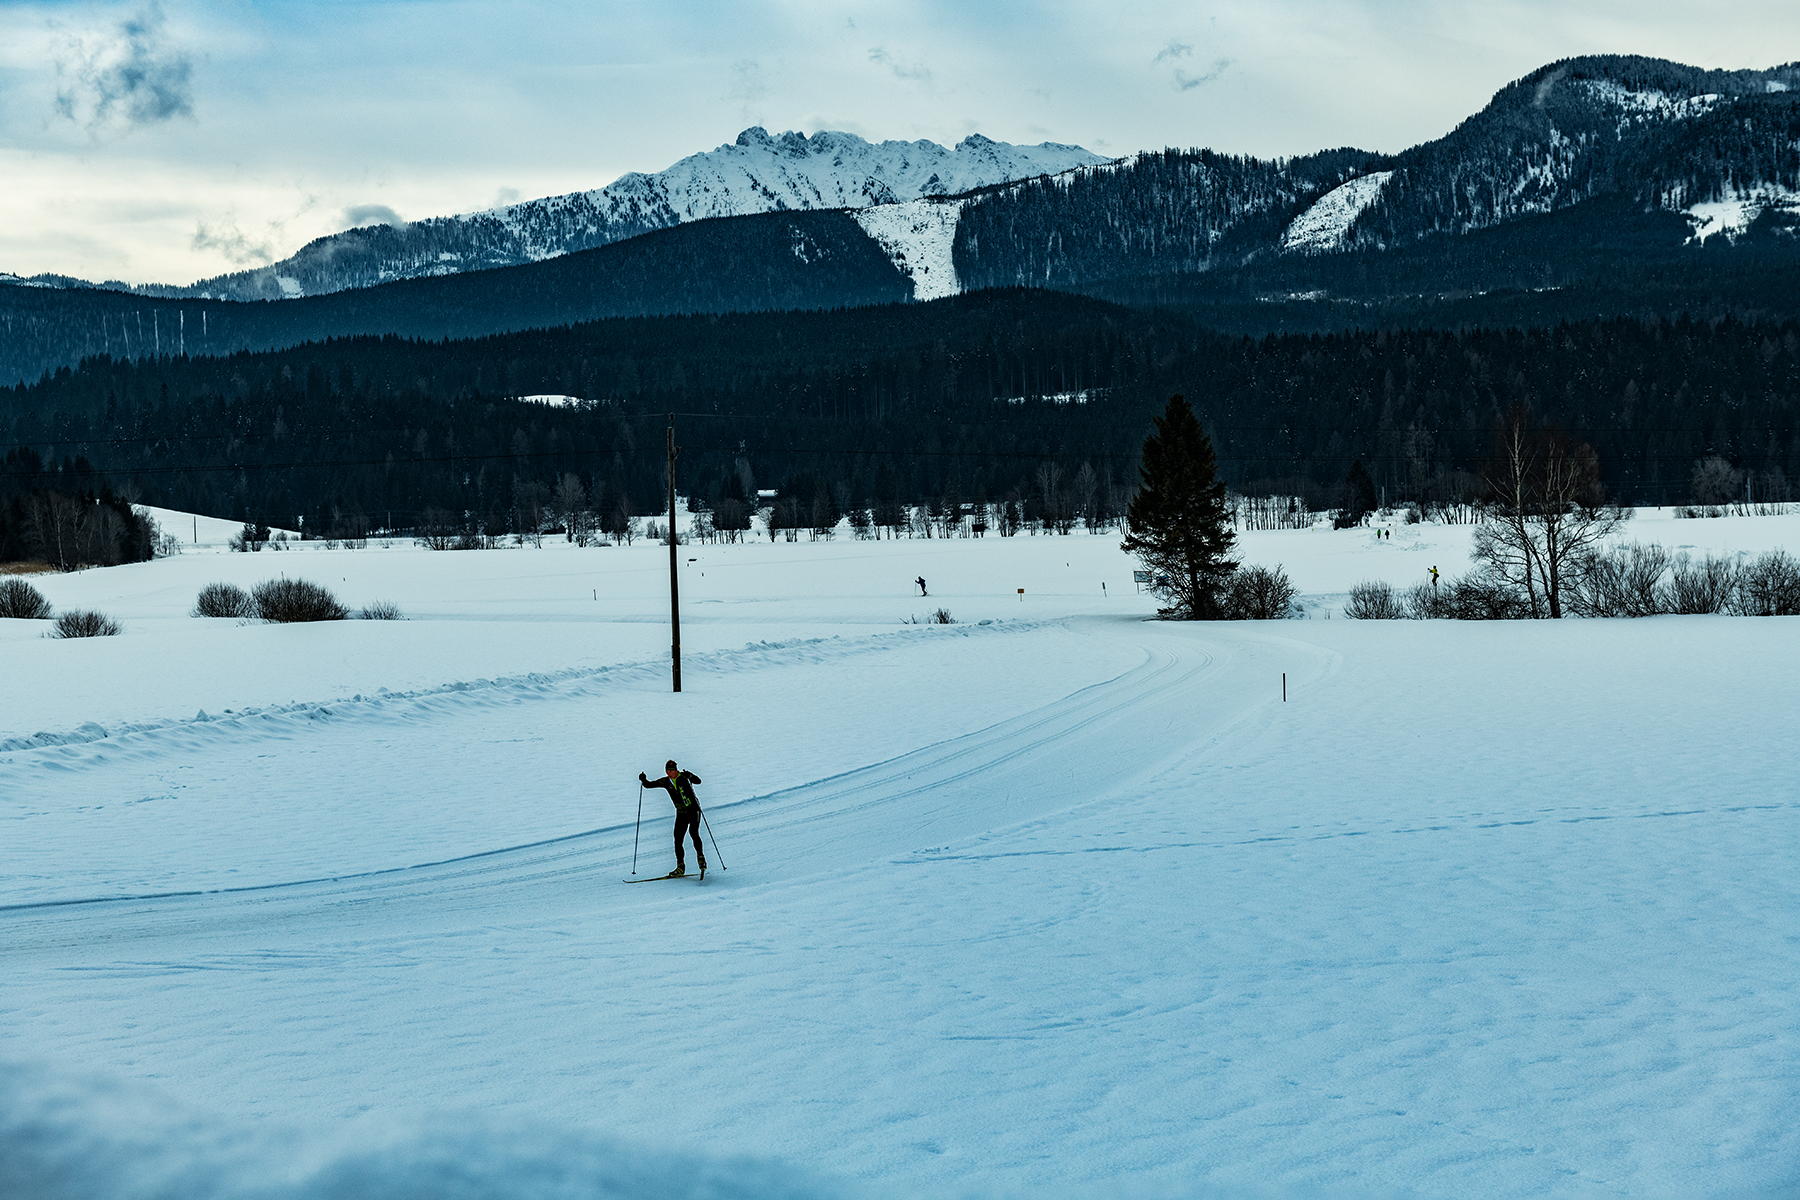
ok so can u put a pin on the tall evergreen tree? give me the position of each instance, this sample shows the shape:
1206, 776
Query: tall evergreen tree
1358, 495
1177, 519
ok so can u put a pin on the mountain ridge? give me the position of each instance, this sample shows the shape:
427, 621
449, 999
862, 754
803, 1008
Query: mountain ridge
758, 172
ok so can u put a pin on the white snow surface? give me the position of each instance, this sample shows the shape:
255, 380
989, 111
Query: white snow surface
1053, 900
918, 237
1327, 223
1640, 106
1734, 213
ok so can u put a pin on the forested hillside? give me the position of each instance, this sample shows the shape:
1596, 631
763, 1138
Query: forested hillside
901, 403
1168, 212
1607, 258
745, 264
1656, 133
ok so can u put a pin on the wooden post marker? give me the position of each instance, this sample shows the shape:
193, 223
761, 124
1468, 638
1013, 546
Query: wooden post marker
674, 582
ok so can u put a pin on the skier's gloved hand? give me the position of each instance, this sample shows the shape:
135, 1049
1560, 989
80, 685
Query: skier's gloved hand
643, 778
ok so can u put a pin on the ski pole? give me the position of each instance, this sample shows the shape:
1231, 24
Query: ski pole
639, 825
715, 841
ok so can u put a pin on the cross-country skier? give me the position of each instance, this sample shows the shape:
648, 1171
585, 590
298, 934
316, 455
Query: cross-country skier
1434, 577
680, 786
921, 582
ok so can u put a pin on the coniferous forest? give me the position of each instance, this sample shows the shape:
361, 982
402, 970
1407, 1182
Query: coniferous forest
968, 397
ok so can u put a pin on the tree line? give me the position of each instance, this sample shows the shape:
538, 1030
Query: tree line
897, 405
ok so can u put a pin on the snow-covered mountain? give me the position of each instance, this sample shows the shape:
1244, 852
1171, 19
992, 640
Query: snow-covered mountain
1670, 137
1643, 137
759, 172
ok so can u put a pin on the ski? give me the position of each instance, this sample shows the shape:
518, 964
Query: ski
654, 878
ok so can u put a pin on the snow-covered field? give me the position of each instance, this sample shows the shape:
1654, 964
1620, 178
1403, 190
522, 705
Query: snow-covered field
1053, 898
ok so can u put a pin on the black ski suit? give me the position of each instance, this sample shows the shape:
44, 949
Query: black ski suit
687, 813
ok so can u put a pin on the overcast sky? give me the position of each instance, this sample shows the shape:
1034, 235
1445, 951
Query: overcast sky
175, 140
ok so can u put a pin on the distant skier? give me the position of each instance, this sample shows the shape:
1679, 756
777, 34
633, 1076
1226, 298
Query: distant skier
1434, 577
921, 582
680, 786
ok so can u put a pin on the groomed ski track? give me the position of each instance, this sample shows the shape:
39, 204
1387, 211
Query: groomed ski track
1076, 748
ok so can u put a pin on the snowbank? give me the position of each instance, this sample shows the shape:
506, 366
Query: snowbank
65, 1136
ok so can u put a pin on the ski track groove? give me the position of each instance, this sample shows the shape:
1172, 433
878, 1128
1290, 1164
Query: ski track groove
800, 819
64, 750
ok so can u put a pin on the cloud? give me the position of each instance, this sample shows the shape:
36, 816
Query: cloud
358, 215
230, 241
1181, 79
748, 86
126, 79
916, 73
1545, 84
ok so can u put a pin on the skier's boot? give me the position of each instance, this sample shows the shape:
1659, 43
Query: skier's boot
678, 872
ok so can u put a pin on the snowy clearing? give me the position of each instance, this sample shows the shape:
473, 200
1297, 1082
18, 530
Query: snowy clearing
1327, 223
918, 237
1735, 212
1054, 897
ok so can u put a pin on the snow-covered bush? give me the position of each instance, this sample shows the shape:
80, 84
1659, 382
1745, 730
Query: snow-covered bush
942, 617
1374, 600
288, 600
223, 600
1258, 593
1769, 586
20, 601
381, 610
84, 624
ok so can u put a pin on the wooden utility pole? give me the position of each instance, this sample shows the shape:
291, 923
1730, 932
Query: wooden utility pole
674, 580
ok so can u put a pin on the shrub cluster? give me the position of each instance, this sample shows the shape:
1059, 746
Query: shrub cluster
223, 600
290, 600
284, 600
1258, 594
1645, 581
1480, 595
21, 601
1374, 600
1477, 596
1621, 581
84, 624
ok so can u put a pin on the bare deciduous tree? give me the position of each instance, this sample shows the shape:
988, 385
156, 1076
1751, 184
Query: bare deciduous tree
530, 498
1715, 481
1548, 511
572, 509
